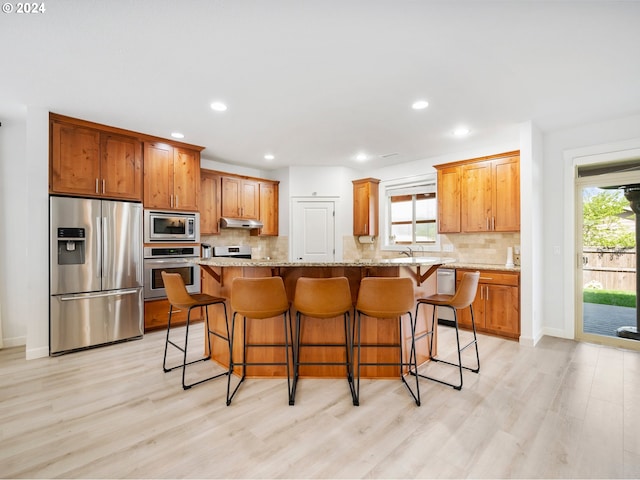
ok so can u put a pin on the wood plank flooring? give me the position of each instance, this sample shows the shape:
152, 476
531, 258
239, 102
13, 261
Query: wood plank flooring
562, 409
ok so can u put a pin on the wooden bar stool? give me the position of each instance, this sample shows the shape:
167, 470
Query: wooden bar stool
462, 298
323, 298
387, 297
181, 299
258, 299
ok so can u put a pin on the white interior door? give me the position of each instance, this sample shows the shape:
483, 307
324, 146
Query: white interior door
313, 231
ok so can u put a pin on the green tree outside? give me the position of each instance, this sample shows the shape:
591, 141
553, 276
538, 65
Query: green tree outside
602, 225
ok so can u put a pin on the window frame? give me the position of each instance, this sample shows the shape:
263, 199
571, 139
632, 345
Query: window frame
397, 185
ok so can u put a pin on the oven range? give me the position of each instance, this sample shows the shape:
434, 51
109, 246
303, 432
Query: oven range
171, 259
235, 251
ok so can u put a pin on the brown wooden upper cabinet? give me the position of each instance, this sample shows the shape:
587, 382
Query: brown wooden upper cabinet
480, 195
209, 202
268, 209
171, 177
240, 198
90, 162
365, 206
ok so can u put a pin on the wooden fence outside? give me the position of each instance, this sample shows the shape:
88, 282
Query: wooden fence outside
613, 269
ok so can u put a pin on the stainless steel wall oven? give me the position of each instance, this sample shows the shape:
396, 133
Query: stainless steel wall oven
173, 259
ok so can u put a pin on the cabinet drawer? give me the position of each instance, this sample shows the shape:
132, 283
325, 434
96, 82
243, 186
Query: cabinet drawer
494, 277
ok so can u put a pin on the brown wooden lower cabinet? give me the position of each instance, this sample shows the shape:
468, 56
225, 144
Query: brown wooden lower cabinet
156, 315
496, 307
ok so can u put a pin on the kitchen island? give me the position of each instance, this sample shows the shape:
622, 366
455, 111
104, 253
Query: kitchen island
219, 273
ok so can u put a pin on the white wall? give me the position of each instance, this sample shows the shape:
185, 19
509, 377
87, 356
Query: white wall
558, 203
13, 214
531, 234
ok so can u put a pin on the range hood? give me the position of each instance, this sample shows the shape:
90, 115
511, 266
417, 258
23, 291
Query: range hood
226, 222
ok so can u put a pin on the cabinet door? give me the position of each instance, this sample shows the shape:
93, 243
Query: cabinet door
121, 167
158, 175
506, 195
464, 315
365, 207
230, 197
209, 204
249, 199
502, 309
449, 200
269, 208
476, 197
186, 179
75, 160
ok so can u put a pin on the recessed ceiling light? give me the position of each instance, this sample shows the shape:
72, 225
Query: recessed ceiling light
361, 157
420, 105
218, 106
461, 132
177, 135
269, 156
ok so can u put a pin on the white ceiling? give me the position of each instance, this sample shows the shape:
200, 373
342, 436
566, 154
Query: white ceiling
316, 82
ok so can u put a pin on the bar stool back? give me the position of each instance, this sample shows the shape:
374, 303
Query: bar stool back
462, 298
387, 297
258, 299
179, 298
323, 298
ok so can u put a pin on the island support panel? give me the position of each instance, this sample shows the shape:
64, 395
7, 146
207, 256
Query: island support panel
378, 331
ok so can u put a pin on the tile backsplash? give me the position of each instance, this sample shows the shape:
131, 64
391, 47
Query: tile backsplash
276, 248
489, 248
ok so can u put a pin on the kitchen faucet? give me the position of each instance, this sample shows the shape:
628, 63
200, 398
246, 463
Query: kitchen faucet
408, 252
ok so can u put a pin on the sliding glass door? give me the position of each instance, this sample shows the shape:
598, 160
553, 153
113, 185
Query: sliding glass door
606, 274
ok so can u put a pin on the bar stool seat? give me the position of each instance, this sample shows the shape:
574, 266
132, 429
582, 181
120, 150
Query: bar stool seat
179, 298
323, 298
259, 299
387, 297
462, 298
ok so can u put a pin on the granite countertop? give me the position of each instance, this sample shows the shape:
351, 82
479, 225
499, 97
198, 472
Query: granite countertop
445, 262
380, 262
483, 266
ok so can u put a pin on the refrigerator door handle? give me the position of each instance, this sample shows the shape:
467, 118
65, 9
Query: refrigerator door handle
98, 247
105, 247
85, 296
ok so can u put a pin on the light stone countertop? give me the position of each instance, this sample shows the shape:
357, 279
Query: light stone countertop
444, 262
381, 262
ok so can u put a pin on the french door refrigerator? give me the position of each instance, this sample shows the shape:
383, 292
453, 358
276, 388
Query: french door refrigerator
96, 271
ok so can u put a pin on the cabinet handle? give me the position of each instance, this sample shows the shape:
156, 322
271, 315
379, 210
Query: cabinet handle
176, 201
104, 182
487, 295
97, 190
493, 223
481, 292
488, 227
171, 200
365, 228
486, 278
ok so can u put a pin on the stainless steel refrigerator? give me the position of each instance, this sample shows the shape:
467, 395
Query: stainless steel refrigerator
96, 272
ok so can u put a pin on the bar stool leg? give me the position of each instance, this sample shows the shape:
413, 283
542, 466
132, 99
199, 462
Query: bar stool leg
460, 349
356, 400
166, 343
231, 394
349, 354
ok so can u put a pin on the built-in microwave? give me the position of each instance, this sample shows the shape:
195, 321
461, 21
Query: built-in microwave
171, 226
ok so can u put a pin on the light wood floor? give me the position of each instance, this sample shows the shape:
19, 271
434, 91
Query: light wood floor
562, 409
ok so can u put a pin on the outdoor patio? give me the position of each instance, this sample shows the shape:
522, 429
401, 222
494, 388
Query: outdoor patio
606, 319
